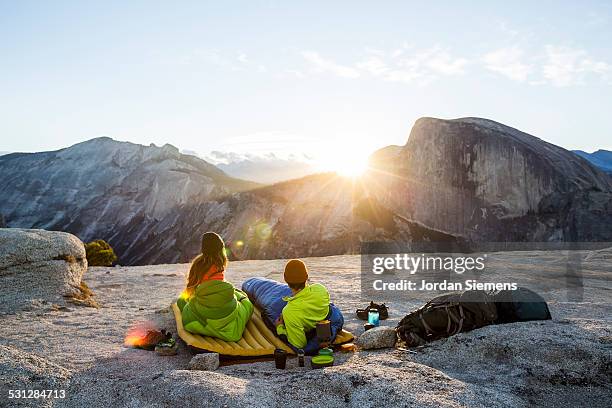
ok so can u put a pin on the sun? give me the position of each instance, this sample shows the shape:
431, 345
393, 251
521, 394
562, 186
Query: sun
344, 161
345, 158
351, 168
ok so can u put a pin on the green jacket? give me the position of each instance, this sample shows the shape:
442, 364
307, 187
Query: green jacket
302, 312
216, 309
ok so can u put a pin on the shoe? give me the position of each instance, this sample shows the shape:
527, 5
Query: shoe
153, 338
383, 312
167, 347
362, 314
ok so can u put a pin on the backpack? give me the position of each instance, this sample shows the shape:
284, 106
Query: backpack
519, 305
446, 315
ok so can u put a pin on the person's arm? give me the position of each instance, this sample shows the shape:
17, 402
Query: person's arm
280, 326
240, 295
182, 301
294, 332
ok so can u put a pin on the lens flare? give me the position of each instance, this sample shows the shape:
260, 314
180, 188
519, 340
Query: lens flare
136, 335
263, 231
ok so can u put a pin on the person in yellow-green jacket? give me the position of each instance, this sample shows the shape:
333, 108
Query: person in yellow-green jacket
308, 305
209, 305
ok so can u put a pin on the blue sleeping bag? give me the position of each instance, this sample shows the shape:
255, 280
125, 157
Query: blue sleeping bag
267, 295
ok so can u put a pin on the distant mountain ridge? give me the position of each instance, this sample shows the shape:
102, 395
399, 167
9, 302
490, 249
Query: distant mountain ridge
152, 204
267, 169
461, 180
103, 188
457, 181
600, 158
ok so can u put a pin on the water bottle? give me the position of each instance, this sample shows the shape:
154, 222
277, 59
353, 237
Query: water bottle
301, 357
373, 317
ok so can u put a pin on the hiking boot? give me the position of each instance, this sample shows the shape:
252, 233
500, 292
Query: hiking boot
168, 347
383, 313
153, 338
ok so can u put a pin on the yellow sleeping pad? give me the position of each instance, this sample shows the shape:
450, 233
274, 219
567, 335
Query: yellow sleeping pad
257, 340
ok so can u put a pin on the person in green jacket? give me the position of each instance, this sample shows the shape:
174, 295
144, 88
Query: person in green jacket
209, 305
308, 305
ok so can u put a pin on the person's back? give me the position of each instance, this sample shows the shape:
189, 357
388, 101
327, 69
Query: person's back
216, 309
209, 305
308, 305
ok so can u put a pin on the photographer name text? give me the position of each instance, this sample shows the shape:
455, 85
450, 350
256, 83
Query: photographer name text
424, 285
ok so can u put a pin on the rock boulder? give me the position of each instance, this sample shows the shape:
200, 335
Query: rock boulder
39, 265
378, 337
489, 182
205, 362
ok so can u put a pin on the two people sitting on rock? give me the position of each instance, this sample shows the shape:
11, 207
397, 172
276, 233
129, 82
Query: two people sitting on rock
209, 305
308, 305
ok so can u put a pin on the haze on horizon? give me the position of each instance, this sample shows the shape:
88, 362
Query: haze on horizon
311, 79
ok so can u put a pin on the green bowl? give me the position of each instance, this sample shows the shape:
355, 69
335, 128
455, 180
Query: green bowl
326, 352
321, 361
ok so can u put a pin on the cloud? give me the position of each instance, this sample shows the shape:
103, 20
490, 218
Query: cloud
373, 65
321, 64
263, 168
445, 66
508, 62
444, 63
566, 66
409, 66
559, 66
217, 157
553, 65
400, 65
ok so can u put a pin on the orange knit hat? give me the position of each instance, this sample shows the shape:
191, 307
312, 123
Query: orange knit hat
295, 272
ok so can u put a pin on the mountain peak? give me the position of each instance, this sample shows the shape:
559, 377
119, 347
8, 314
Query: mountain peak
170, 149
97, 141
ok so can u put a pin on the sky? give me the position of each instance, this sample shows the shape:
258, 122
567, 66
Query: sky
289, 77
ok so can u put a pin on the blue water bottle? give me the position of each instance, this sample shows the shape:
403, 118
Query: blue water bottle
373, 317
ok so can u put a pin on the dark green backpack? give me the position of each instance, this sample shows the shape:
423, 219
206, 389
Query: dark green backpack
519, 305
446, 315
